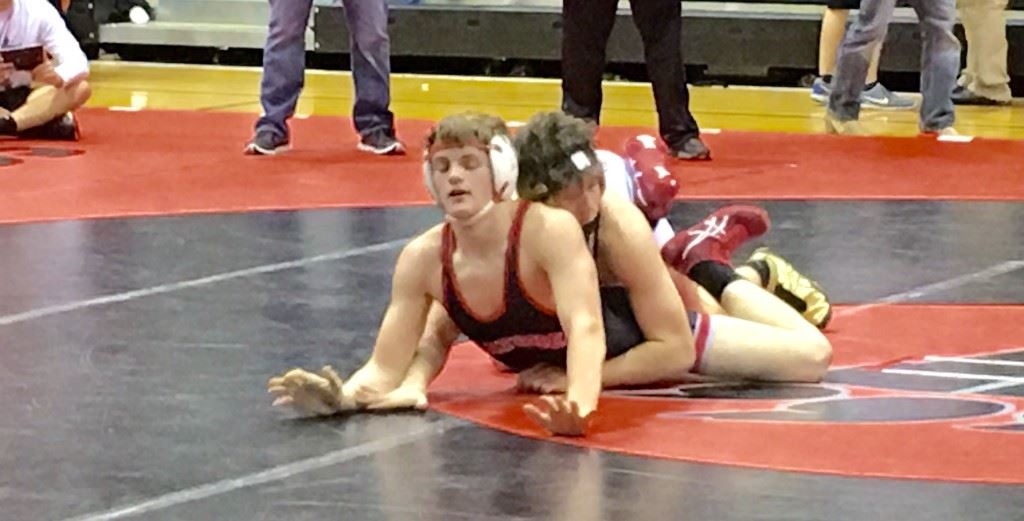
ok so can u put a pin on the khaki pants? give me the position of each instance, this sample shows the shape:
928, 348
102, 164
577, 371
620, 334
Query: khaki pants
985, 27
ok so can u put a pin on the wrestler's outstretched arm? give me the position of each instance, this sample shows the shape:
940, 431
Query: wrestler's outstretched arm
555, 240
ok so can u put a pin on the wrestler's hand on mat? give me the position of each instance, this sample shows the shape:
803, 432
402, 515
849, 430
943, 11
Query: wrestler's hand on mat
543, 378
318, 394
559, 416
404, 397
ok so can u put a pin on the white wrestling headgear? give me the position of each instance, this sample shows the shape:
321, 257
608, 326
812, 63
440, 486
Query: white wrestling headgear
504, 169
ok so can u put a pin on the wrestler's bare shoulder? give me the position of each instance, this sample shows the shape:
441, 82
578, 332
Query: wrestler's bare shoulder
425, 246
620, 216
543, 218
550, 232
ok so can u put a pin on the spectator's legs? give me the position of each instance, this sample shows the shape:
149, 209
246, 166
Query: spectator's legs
587, 24
371, 65
986, 73
660, 25
48, 102
284, 64
940, 62
833, 28
864, 36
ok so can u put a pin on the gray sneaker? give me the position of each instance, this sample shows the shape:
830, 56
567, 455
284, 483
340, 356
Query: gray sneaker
879, 97
382, 143
266, 143
693, 149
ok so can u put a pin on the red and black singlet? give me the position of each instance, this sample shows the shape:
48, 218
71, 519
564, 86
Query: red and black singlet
522, 334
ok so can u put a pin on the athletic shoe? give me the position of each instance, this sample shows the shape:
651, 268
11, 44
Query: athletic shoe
693, 149
382, 143
879, 97
266, 143
61, 128
716, 237
793, 288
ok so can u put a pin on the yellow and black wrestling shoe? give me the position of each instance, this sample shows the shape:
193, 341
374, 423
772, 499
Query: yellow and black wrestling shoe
800, 292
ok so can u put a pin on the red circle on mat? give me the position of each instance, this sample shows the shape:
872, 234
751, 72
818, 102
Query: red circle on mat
890, 429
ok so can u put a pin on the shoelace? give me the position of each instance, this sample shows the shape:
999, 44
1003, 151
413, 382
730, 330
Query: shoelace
713, 228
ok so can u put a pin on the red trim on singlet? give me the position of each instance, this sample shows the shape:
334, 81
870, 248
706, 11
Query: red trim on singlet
448, 246
700, 340
515, 236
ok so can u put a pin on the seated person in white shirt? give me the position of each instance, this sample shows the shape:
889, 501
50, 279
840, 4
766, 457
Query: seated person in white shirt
37, 103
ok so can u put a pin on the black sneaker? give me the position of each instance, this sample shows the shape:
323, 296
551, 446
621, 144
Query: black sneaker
965, 96
381, 143
61, 128
266, 143
692, 149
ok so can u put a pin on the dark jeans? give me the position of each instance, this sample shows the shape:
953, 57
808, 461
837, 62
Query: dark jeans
587, 24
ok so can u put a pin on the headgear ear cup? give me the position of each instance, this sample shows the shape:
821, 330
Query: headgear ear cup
504, 167
427, 177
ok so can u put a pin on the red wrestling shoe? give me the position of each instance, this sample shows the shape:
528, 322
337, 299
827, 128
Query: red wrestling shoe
716, 237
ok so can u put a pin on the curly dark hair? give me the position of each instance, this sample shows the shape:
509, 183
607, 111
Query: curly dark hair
466, 128
555, 150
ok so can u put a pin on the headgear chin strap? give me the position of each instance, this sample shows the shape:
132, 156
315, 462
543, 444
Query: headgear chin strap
472, 219
504, 170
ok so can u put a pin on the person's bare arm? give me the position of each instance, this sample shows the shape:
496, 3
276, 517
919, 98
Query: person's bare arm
668, 352
403, 325
433, 350
558, 244
430, 358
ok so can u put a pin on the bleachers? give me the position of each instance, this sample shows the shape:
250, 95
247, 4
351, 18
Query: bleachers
740, 38
199, 23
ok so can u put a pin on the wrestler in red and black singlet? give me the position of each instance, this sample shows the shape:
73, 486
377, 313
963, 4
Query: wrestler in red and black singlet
523, 333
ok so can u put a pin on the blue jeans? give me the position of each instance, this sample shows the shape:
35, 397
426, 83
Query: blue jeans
940, 59
284, 64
